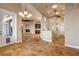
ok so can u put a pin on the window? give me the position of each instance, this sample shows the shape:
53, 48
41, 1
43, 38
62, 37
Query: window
8, 27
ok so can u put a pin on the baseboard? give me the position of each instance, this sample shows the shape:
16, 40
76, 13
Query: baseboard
19, 41
3, 45
72, 46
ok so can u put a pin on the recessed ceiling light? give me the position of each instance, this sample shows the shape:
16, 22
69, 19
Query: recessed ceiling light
54, 6
63, 8
57, 13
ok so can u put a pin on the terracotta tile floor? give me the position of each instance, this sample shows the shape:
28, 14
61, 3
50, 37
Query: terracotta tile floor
34, 47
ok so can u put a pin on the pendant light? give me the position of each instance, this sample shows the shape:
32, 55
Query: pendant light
25, 13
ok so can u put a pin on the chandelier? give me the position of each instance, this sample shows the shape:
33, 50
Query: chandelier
25, 13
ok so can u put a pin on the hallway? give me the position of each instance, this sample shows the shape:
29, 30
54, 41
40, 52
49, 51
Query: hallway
54, 29
33, 47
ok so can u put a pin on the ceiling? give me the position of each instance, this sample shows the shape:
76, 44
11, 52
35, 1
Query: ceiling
47, 10
36, 15
14, 7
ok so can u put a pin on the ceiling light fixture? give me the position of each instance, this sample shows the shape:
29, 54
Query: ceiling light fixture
63, 8
54, 6
25, 13
20, 13
57, 13
29, 15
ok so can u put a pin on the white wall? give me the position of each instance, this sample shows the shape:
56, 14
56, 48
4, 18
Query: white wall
29, 25
1, 29
14, 7
1, 22
13, 38
71, 26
